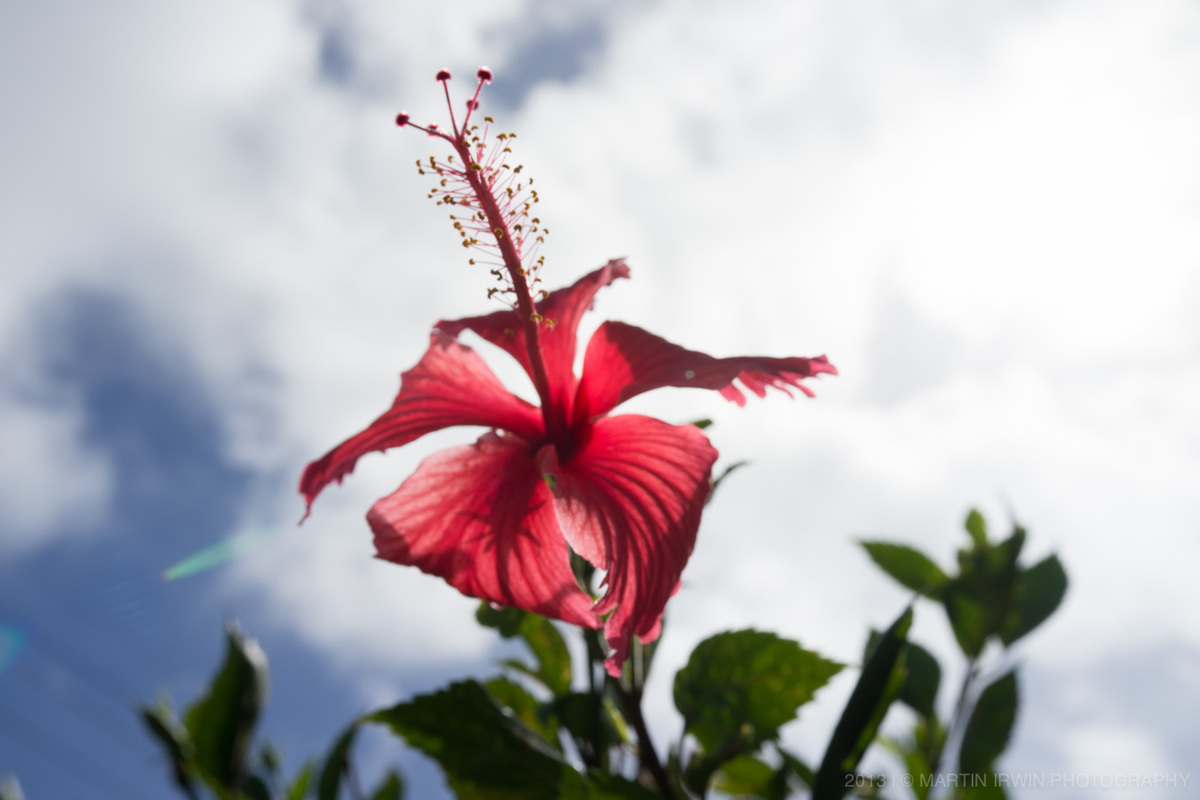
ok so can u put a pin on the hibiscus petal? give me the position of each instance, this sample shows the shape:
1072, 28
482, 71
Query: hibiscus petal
482, 518
629, 500
451, 385
623, 361
565, 307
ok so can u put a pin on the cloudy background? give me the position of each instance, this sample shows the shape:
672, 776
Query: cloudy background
217, 256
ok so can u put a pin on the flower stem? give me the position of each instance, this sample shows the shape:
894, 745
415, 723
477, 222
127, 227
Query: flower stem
957, 719
631, 704
632, 701
595, 653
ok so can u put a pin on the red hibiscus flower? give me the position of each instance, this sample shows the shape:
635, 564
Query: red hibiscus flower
625, 492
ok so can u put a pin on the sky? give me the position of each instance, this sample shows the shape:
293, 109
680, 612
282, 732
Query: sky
217, 257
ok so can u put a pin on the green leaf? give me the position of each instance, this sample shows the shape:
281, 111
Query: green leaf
521, 667
1010, 549
910, 567
175, 740
923, 676
921, 684
976, 526
921, 772
164, 727
746, 678
744, 776
967, 615
985, 787
880, 682
220, 724
554, 660
271, 758
990, 726
701, 423
797, 766
336, 764
579, 713
484, 752
603, 786
703, 766
918, 772
525, 707
392, 787
299, 787
506, 619
553, 667
721, 478
10, 788
1037, 594
255, 788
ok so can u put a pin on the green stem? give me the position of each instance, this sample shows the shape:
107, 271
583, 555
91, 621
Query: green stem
595, 661
957, 718
631, 700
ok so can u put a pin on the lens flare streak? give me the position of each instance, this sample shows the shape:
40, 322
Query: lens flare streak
222, 552
12, 639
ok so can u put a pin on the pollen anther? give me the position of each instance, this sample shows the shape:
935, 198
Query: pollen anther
497, 201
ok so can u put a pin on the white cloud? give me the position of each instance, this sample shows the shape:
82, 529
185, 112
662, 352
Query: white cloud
51, 483
1112, 751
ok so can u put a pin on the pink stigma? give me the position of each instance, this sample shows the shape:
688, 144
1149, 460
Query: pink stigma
492, 201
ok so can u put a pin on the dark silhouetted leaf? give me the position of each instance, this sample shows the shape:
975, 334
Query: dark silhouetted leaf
976, 526
967, 617
923, 676
10, 788
553, 668
985, 787
724, 474
703, 766
336, 765
392, 787
175, 740
579, 713
880, 682
922, 681
746, 678
506, 619
255, 788
1008, 551
603, 786
1038, 592
798, 767
271, 759
745, 776
173, 736
910, 567
525, 707
990, 726
484, 752
299, 788
221, 723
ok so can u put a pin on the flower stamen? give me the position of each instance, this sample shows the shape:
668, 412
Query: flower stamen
492, 204
485, 162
